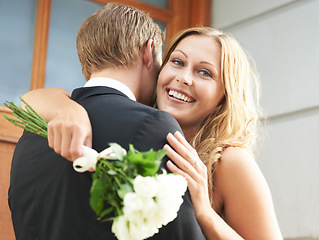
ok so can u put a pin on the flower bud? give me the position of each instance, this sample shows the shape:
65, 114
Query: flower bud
87, 161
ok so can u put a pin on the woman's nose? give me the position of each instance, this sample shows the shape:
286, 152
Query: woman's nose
185, 78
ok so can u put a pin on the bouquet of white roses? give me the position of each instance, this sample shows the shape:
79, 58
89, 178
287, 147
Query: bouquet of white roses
126, 187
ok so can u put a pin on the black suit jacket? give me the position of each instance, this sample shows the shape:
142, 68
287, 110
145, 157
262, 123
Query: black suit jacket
50, 201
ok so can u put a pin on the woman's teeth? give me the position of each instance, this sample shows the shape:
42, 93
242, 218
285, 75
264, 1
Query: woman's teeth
179, 96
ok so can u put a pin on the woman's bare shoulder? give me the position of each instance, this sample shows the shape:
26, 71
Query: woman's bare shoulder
236, 154
236, 170
236, 159
244, 194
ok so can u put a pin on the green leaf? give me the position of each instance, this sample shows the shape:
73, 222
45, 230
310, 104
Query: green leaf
111, 172
123, 190
136, 158
105, 212
150, 171
108, 219
98, 188
150, 156
96, 203
132, 149
160, 154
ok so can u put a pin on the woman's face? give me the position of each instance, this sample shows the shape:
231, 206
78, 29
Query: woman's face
189, 85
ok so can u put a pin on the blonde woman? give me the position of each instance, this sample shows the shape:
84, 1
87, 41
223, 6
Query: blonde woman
208, 85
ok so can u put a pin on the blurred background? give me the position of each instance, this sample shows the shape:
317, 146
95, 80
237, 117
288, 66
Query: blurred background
37, 49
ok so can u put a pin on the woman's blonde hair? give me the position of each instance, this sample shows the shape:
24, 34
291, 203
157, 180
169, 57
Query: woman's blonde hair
113, 37
235, 120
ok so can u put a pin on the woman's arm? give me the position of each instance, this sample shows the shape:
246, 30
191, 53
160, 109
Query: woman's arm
249, 212
68, 123
49, 102
247, 199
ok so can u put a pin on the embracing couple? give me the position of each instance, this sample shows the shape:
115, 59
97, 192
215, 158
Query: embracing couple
206, 117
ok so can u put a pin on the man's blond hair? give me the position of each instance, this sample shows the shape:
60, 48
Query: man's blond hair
113, 36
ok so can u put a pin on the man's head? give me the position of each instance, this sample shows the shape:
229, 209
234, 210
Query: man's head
113, 38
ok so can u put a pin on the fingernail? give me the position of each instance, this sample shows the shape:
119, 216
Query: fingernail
178, 133
169, 163
170, 135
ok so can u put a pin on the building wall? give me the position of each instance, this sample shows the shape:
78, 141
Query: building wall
283, 38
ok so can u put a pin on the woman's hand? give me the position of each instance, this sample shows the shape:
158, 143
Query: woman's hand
193, 169
69, 130
69, 126
189, 165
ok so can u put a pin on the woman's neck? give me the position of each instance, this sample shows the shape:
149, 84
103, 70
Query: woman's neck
188, 133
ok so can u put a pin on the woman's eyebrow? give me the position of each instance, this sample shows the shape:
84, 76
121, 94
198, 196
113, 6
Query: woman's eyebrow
177, 50
213, 65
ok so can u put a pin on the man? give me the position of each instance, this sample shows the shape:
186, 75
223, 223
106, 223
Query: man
119, 49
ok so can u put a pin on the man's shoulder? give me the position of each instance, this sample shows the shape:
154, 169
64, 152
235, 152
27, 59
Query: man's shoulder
159, 115
83, 93
153, 115
154, 127
111, 99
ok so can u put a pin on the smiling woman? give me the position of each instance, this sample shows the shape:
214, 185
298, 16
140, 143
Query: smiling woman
230, 196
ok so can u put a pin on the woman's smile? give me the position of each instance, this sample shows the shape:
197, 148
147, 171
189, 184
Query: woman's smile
179, 96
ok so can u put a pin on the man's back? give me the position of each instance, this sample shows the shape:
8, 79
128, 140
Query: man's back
55, 201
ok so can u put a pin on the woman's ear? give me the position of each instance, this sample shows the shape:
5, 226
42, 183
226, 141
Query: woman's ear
148, 53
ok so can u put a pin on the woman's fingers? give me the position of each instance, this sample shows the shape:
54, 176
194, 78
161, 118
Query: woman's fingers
178, 159
185, 157
183, 141
185, 150
50, 136
174, 169
182, 166
197, 179
189, 165
79, 138
66, 137
181, 149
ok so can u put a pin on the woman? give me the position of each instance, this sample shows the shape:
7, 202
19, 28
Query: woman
207, 84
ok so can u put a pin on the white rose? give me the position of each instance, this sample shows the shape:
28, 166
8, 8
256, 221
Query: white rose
141, 211
172, 184
132, 203
143, 229
154, 203
146, 186
169, 197
120, 228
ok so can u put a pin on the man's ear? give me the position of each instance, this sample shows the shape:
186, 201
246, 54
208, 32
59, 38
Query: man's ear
148, 53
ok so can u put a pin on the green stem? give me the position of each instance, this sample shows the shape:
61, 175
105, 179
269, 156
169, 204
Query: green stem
28, 120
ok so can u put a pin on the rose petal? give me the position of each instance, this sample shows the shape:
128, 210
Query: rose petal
87, 161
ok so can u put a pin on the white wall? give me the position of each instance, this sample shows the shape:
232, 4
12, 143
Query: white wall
283, 38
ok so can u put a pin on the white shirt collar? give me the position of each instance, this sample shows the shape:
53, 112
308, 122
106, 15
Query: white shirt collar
112, 83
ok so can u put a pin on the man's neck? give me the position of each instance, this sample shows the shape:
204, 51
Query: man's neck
129, 77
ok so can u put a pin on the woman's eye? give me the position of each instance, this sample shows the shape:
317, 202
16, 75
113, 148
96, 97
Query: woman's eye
177, 62
205, 73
